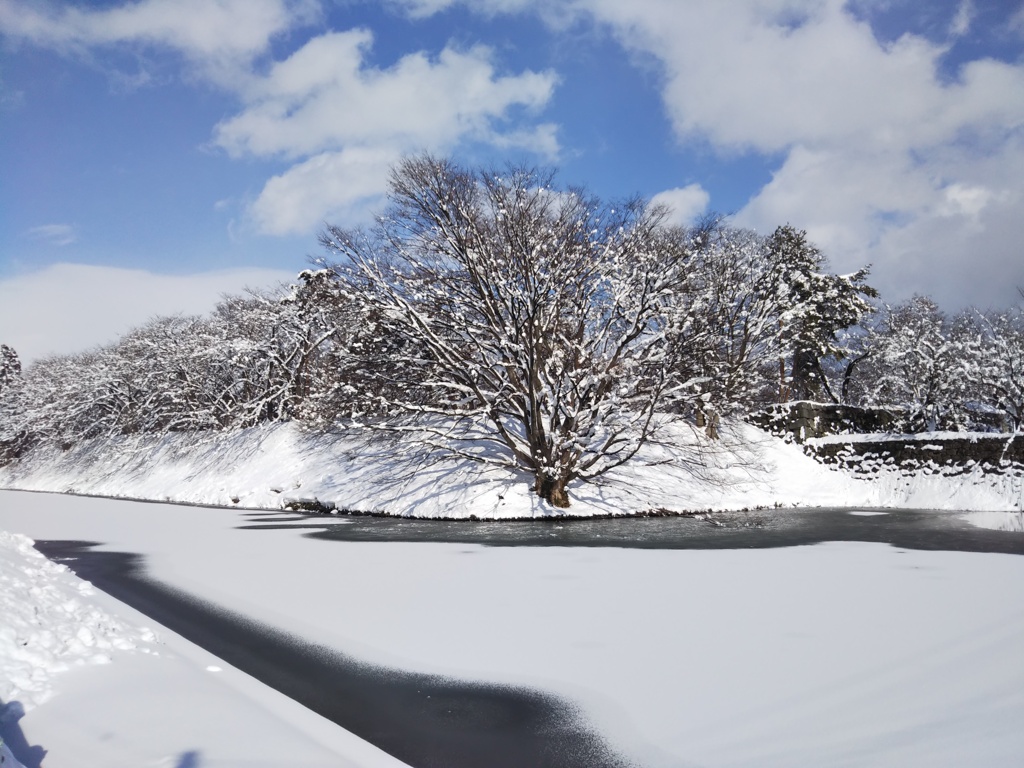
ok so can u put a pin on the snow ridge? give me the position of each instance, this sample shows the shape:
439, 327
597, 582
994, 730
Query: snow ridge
51, 624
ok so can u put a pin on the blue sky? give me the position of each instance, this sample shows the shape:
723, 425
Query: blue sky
207, 140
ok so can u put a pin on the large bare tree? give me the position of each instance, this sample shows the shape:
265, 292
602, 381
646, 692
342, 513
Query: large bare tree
536, 316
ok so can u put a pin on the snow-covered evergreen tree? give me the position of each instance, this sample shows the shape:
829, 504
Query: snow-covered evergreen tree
10, 366
764, 317
815, 308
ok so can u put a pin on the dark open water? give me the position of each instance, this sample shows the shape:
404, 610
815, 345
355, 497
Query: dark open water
910, 529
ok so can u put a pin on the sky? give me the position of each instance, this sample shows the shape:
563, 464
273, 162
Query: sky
157, 153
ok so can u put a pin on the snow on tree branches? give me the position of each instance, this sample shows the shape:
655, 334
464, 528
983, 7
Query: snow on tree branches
537, 312
496, 317
816, 307
10, 366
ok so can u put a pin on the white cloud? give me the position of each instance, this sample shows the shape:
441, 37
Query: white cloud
961, 23
71, 307
964, 200
418, 9
1016, 22
330, 187
767, 76
323, 97
336, 120
684, 203
558, 14
884, 158
957, 241
221, 35
344, 123
539, 139
53, 234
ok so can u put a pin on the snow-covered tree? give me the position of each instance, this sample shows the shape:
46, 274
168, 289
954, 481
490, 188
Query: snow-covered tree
10, 366
11, 435
917, 363
257, 358
764, 317
998, 364
319, 346
729, 331
815, 308
533, 311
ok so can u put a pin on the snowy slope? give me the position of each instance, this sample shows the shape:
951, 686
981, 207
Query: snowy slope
85, 682
50, 625
268, 467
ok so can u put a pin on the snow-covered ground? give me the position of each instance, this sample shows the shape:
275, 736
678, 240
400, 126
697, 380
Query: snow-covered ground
839, 654
56, 627
88, 682
269, 466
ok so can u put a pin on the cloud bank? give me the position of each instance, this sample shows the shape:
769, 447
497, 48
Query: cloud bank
881, 148
343, 124
220, 37
70, 307
885, 157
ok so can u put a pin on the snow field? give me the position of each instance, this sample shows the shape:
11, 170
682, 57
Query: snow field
839, 654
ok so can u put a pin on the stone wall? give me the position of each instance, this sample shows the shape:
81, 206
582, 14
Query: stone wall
868, 439
803, 420
868, 453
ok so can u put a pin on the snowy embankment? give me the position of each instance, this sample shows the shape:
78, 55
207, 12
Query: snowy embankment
269, 467
83, 682
50, 625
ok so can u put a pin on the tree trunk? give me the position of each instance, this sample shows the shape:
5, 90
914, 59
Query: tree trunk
848, 377
804, 380
552, 490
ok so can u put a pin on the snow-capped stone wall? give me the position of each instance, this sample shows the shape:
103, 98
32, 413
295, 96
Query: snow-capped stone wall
803, 419
956, 451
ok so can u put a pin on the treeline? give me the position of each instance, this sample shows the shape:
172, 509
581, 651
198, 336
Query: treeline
256, 358
949, 372
559, 326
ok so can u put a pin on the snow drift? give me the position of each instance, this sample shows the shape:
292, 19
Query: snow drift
367, 472
50, 625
